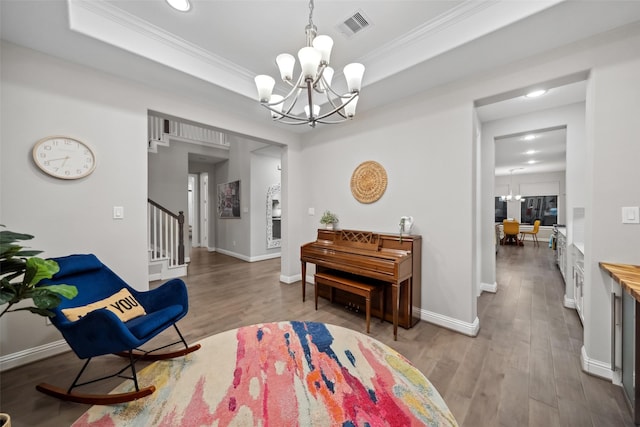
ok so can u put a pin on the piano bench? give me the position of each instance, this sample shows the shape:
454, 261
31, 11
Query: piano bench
352, 286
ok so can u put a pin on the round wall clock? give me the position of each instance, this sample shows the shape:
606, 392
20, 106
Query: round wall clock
63, 157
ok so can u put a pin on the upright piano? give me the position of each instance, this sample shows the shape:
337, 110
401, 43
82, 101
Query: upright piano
375, 257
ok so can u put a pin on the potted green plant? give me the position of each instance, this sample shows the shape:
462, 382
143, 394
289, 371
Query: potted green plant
329, 219
20, 272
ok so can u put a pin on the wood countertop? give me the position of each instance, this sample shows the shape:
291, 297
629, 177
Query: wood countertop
627, 275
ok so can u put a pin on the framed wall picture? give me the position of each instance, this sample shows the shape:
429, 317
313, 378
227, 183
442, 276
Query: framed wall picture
229, 200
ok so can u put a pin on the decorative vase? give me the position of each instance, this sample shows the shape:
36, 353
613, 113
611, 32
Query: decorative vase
329, 226
5, 420
406, 222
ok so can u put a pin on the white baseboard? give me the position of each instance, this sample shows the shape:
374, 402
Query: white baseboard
29, 355
264, 257
489, 287
569, 302
246, 258
470, 329
595, 367
233, 254
290, 279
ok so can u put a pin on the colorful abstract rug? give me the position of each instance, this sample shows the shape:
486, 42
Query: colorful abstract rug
281, 374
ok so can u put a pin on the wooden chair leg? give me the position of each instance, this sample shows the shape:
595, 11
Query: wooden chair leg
368, 313
315, 293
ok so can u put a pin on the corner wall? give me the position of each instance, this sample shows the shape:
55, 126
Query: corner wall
43, 95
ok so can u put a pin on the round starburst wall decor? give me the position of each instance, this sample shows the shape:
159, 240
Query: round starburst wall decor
368, 182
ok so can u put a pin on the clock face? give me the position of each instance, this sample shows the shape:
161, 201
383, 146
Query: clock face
64, 157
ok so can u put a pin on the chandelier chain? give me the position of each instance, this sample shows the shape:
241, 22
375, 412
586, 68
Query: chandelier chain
311, 13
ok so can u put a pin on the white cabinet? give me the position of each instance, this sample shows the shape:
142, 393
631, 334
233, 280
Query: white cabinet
561, 248
578, 282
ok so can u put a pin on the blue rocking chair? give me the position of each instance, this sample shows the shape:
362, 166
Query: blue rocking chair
110, 317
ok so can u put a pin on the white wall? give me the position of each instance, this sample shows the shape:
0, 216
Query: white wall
234, 235
612, 182
425, 146
43, 96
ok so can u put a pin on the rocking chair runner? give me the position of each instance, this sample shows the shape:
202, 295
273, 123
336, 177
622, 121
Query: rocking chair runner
110, 317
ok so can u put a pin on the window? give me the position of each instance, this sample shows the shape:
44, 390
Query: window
501, 210
544, 208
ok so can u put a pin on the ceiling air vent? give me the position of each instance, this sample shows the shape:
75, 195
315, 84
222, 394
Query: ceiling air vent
354, 24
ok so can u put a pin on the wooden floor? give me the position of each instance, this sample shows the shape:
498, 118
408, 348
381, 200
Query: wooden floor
523, 369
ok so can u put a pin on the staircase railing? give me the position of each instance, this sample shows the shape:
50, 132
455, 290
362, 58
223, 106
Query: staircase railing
165, 234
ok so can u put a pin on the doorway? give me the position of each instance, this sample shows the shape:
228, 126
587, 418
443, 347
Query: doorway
192, 207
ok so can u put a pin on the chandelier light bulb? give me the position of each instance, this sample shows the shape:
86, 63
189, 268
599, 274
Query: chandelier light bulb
265, 85
309, 61
323, 44
276, 103
316, 110
325, 81
350, 108
353, 73
286, 63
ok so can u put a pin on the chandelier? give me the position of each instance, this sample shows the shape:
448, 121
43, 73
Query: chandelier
314, 82
510, 197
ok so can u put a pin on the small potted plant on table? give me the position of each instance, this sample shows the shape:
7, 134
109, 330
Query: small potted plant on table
329, 219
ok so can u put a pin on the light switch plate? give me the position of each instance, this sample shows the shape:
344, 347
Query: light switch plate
118, 212
312, 211
631, 215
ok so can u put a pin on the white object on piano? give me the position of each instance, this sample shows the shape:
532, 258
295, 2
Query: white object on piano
406, 222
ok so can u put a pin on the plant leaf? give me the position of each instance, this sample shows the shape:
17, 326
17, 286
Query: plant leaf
7, 293
7, 236
67, 291
38, 269
45, 299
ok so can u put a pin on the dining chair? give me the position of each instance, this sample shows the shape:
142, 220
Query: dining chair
511, 230
533, 233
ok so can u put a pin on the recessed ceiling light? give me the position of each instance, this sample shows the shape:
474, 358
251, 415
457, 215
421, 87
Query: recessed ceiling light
529, 137
536, 93
530, 152
181, 5
532, 162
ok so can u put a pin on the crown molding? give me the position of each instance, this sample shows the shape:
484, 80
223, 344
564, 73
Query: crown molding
465, 22
112, 25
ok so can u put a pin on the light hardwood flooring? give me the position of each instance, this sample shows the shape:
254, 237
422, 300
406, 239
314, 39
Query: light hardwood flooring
523, 368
